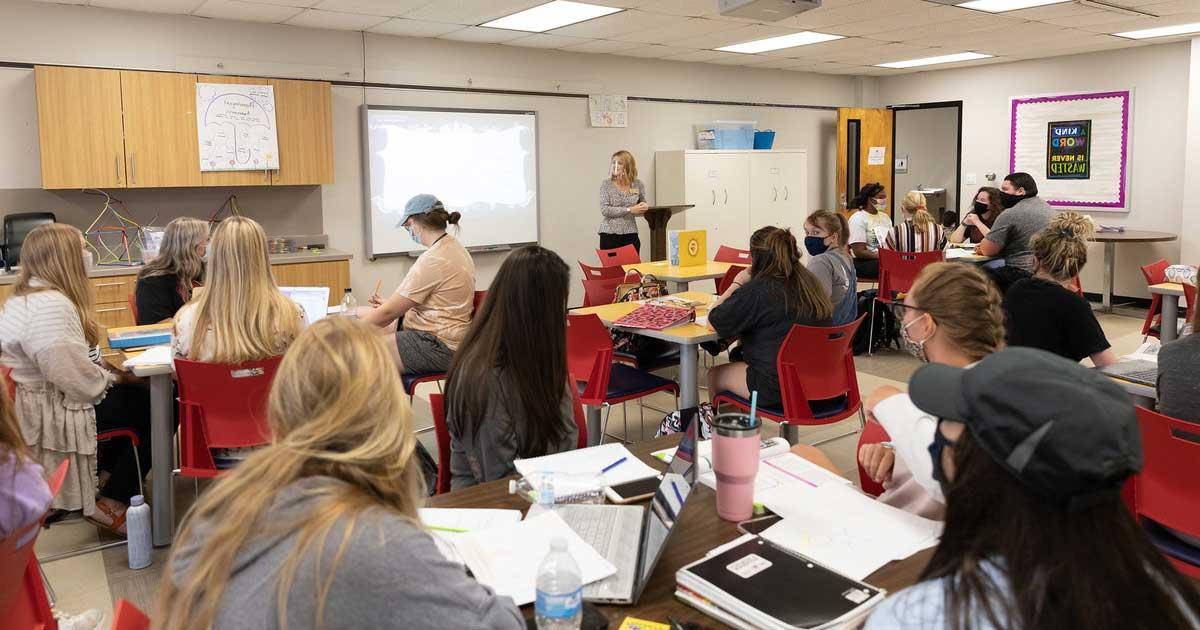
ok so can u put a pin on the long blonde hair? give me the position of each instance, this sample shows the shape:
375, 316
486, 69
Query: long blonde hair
177, 256
914, 204
627, 163
241, 303
336, 410
53, 254
964, 304
1061, 248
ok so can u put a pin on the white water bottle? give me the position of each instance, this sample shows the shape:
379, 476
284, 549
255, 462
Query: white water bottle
559, 604
349, 304
137, 527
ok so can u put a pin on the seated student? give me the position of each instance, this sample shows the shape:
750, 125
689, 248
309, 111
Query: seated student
950, 316
65, 391
320, 528
918, 232
1024, 215
242, 313
760, 307
829, 260
436, 297
1044, 311
984, 210
865, 226
507, 393
1179, 375
165, 284
1031, 450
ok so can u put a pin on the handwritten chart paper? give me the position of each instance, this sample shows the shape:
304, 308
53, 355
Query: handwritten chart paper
608, 111
236, 124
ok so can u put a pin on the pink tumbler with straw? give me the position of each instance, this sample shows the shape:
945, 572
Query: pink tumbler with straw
735, 462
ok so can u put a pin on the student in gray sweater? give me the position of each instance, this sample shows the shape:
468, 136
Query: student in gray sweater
1179, 375
320, 528
507, 392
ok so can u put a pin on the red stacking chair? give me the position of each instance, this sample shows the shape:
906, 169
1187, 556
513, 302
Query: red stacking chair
723, 283
221, 406
126, 616
1154, 273
623, 255
580, 415
410, 380
23, 600
897, 271
590, 352
1077, 286
733, 255
872, 433
816, 378
1167, 491
1189, 295
133, 306
600, 273
437, 404
601, 291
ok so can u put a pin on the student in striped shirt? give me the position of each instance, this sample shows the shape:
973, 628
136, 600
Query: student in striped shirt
918, 232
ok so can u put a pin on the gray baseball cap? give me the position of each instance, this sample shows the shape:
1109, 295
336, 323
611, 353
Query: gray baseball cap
420, 204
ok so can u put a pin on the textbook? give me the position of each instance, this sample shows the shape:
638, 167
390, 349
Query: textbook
656, 317
140, 336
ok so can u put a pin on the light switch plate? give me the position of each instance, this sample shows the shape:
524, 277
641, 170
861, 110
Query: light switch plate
970, 179
902, 164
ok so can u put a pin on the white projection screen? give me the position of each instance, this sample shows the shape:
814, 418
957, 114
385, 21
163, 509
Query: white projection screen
481, 163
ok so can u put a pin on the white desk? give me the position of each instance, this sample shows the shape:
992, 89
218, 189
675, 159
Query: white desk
162, 436
1169, 326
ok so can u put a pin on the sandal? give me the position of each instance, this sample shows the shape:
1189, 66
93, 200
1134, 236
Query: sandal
117, 520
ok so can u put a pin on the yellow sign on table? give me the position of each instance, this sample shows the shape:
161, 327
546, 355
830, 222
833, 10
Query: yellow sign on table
687, 248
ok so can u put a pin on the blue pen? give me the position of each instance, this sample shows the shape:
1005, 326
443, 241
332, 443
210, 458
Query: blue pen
677, 494
613, 465
753, 406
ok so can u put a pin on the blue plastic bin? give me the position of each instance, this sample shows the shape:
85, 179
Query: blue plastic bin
764, 140
733, 134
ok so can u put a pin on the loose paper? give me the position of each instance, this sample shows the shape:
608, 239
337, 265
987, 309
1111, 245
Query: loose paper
875, 156
590, 461
608, 110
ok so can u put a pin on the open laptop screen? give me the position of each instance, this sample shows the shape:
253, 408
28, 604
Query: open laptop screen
670, 498
314, 301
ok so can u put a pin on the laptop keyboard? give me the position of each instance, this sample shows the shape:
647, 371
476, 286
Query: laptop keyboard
1147, 377
596, 528
614, 531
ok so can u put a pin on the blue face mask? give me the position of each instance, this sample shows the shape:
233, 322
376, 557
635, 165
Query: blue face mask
940, 442
815, 245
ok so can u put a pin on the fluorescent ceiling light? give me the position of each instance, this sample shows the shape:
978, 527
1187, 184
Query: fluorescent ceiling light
929, 61
550, 16
783, 41
1162, 31
999, 6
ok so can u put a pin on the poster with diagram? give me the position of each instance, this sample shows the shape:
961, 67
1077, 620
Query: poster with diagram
607, 110
236, 126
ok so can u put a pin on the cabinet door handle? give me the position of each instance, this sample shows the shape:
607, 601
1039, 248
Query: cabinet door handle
726, 195
101, 285
111, 310
133, 168
774, 194
714, 195
785, 193
266, 176
117, 167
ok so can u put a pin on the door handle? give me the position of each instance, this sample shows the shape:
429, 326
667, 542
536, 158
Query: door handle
714, 196
101, 285
774, 194
266, 176
117, 168
133, 168
785, 193
111, 310
726, 196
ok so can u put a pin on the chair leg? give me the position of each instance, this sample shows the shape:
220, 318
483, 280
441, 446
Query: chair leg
789, 432
196, 487
604, 422
862, 418
625, 422
871, 330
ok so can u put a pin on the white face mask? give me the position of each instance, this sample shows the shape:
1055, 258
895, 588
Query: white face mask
880, 205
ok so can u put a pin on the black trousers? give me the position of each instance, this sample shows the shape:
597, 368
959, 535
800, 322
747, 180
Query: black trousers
866, 268
613, 241
125, 407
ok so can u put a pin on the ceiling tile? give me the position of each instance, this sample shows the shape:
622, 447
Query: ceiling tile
785, 64
245, 11
654, 52
546, 40
621, 4
470, 12
882, 54
289, 3
678, 29
78, 2
153, 6
867, 10
482, 35
607, 26
826, 48
316, 18
964, 27
414, 28
386, 8
680, 7
1052, 11
1171, 7
703, 56
1137, 24
747, 33
599, 46
916, 22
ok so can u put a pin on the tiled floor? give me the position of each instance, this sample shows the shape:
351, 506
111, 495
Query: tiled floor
97, 579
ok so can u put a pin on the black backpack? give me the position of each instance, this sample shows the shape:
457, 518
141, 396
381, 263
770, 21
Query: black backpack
883, 323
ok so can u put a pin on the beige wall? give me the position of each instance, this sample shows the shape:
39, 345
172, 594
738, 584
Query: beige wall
929, 137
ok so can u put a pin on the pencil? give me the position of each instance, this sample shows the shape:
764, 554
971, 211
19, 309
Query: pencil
377, 285
453, 530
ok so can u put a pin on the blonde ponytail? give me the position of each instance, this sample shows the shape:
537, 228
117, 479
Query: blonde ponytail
1061, 248
914, 204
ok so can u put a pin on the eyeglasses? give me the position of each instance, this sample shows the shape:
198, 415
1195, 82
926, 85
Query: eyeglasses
900, 308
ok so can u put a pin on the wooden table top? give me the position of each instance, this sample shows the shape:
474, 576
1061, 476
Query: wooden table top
1167, 288
700, 529
692, 333
1134, 236
662, 270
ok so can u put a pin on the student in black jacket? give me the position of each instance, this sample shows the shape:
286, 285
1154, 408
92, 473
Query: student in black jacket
165, 284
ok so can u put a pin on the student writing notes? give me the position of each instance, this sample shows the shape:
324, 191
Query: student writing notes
917, 232
865, 227
1031, 450
320, 528
1044, 311
1179, 374
507, 393
829, 260
1025, 214
165, 284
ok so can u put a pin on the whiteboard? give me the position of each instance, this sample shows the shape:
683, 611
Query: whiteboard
480, 163
237, 129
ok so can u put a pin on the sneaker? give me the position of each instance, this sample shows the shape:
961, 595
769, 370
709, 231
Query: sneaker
93, 619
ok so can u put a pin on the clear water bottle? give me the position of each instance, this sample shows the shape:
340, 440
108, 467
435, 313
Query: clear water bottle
137, 527
559, 604
349, 304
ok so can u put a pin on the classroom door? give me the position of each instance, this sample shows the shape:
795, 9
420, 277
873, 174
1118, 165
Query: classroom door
864, 152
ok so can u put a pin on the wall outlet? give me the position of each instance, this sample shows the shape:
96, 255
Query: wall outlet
902, 164
969, 179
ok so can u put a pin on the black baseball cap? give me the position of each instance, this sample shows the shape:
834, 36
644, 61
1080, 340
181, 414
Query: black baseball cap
1068, 433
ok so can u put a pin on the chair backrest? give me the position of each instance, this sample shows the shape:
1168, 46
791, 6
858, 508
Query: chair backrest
17, 227
727, 254
1168, 488
132, 299
480, 296
1156, 272
228, 403
600, 273
1078, 286
724, 282
623, 255
437, 404
872, 433
898, 270
580, 415
126, 616
602, 291
817, 363
23, 601
589, 356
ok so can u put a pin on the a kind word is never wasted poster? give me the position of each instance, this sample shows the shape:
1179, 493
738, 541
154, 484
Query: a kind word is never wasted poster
1068, 150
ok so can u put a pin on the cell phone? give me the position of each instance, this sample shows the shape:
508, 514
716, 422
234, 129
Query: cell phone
757, 525
632, 491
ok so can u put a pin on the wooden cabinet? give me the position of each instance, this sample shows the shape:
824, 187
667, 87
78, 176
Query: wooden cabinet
334, 274
304, 118
80, 127
161, 144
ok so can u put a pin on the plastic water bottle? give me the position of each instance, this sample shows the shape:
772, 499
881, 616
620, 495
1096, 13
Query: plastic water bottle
349, 304
137, 527
559, 604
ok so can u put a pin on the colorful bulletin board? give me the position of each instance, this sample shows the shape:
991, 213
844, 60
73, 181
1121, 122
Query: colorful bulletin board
1076, 146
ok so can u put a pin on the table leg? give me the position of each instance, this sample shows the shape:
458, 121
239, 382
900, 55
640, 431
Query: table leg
162, 466
595, 431
689, 387
1170, 318
1110, 258
680, 287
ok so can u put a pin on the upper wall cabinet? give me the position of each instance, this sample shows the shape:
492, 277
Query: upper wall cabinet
118, 129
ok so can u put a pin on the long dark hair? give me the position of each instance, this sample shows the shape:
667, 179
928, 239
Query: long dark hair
1090, 568
865, 194
521, 331
774, 254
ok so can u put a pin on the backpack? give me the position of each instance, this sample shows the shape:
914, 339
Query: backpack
673, 423
883, 323
638, 287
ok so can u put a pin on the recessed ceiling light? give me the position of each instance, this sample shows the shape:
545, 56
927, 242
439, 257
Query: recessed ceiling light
803, 38
550, 16
999, 6
929, 61
1162, 31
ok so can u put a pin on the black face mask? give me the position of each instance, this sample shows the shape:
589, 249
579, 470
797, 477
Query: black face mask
940, 442
980, 207
1009, 200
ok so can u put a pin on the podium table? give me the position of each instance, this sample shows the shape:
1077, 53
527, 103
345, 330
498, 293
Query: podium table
657, 217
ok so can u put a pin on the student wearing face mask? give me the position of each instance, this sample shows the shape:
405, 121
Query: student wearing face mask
865, 226
1031, 451
430, 311
981, 218
165, 283
1024, 215
622, 197
829, 260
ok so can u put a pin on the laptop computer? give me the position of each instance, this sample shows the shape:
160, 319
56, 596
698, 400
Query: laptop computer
633, 537
314, 301
1139, 371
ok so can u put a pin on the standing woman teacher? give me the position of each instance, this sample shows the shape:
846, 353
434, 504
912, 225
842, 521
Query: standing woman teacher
622, 197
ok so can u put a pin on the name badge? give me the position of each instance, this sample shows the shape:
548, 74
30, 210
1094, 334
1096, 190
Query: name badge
634, 191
